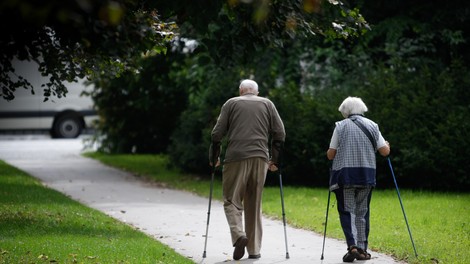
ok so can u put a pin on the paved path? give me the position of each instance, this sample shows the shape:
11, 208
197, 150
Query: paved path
175, 218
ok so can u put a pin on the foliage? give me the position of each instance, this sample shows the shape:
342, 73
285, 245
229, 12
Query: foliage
234, 31
140, 110
404, 70
307, 82
303, 154
101, 39
413, 78
40, 225
104, 42
73, 39
410, 69
305, 208
209, 87
432, 144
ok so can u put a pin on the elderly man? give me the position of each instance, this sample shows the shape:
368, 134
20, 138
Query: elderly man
352, 149
248, 121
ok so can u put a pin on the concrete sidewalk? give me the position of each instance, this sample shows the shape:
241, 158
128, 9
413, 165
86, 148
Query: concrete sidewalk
175, 218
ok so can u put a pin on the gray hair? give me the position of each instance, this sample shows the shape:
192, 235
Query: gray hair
249, 86
352, 106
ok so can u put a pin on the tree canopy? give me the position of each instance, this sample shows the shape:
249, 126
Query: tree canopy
100, 39
73, 39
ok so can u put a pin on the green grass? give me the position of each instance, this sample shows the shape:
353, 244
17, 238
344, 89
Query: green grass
40, 225
439, 222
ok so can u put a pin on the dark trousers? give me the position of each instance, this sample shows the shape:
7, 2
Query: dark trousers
354, 214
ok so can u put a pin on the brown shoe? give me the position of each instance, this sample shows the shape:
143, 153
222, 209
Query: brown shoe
351, 255
363, 255
239, 250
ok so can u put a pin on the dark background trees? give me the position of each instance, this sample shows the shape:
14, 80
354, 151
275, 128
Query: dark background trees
411, 69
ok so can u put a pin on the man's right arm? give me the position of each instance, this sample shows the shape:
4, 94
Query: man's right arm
214, 154
218, 132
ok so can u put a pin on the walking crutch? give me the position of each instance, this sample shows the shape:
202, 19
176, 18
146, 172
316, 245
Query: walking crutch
326, 220
326, 223
401, 204
210, 201
283, 212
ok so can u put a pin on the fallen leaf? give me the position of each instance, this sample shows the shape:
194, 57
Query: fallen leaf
43, 257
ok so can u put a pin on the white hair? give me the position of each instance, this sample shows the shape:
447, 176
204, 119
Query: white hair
352, 106
249, 86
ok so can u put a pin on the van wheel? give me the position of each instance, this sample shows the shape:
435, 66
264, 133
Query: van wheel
67, 126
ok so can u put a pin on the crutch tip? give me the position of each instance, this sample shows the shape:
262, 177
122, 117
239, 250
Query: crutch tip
204, 254
287, 255
321, 258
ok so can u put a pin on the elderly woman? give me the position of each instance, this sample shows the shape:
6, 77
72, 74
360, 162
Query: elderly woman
352, 149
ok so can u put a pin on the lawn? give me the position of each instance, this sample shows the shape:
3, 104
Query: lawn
438, 221
41, 225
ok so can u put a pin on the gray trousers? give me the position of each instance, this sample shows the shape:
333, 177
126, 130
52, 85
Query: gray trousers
243, 183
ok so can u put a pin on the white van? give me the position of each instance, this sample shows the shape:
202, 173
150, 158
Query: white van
64, 117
